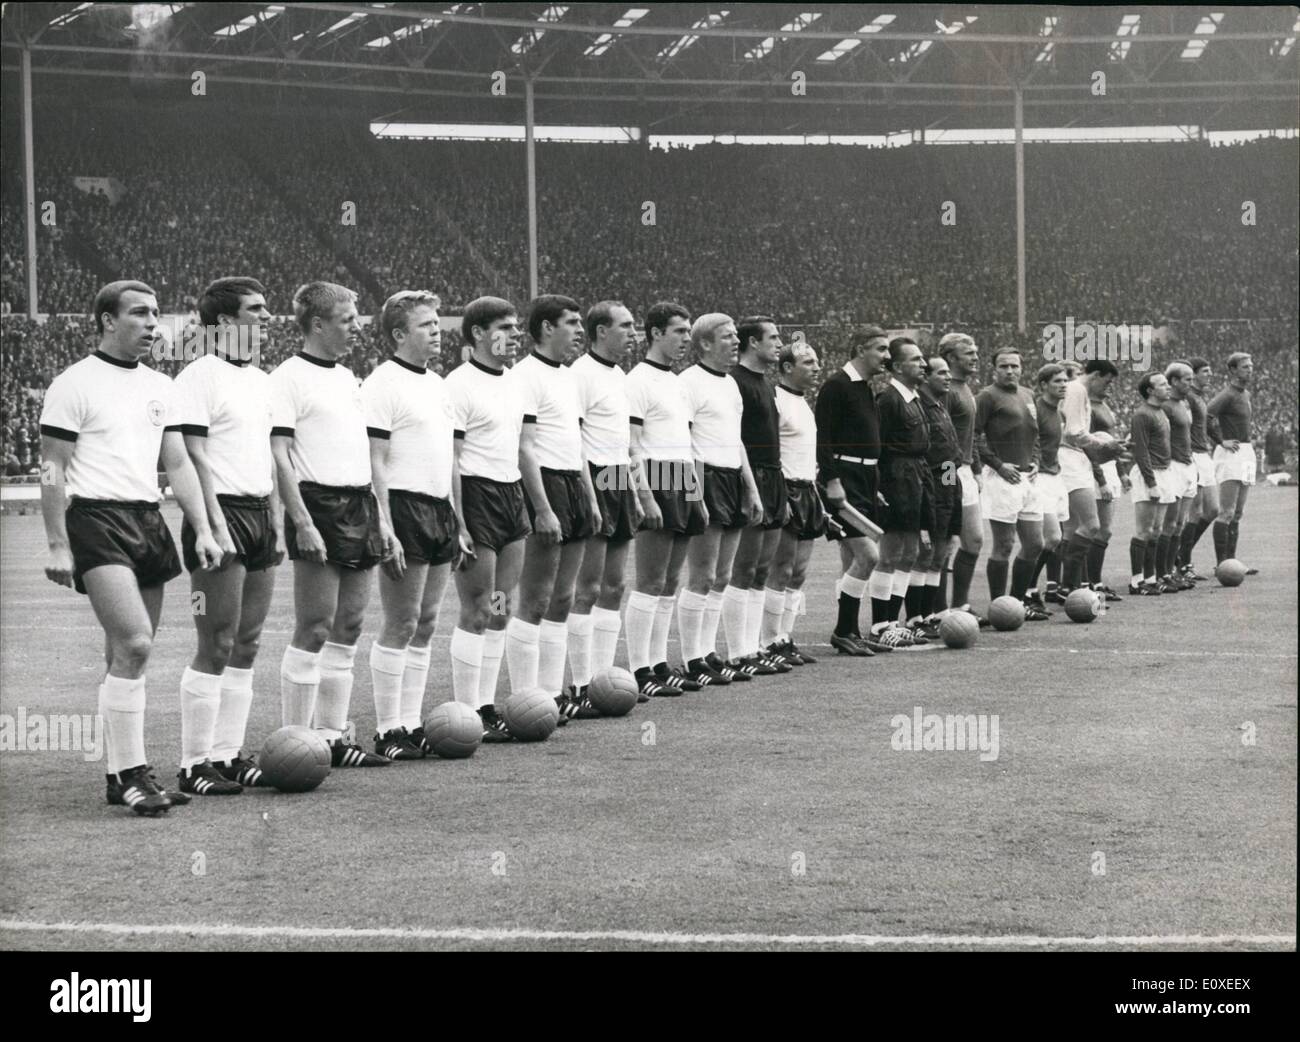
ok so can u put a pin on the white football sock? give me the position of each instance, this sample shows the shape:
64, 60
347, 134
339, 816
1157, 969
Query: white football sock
606, 625
415, 678
386, 668
200, 700
641, 609
299, 685
753, 618
690, 620
709, 627
466, 666
659, 632
521, 654
335, 696
791, 612
121, 705
552, 647
932, 579
494, 646
773, 609
580, 628
901, 581
735, 606
232, 715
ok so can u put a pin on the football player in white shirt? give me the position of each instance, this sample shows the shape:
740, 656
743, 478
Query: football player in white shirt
668, 487
595, 622
560, 499
408, 418
488, 418
799, 369
102, 429
224, 409
333, 528
731, 501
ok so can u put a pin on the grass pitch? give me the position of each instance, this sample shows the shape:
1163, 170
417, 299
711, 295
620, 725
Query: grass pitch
768, 815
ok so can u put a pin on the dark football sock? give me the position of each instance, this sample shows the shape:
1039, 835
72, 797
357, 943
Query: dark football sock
1021, 571
880, 610
1137, 552
1232, 538
997, 573
895, 606
939, 594
1171, 554
1055, 564
1202, 523
847, 623
1221, 542
1096, 559
1185, 543
963, 571
1149, 559
1044, 559
915, 601
1162, 554
1076, 551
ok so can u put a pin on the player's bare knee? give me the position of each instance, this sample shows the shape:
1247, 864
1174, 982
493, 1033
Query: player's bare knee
131, 652
560, 606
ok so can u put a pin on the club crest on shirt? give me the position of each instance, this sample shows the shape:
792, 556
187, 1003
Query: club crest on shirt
156, 412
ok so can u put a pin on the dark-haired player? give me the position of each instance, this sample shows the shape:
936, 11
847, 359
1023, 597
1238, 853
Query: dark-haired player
1154, 493
1182, 468
1049, 488
945, 461
102, 430
1234, 456
561, 500
333, 528
223, 405
962, 355
1206, 509
408, 418
1007, 427
488, 416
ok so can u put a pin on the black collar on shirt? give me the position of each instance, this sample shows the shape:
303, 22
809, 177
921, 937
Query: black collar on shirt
659, 365
236, 361
116, 361
324, 363
546, 361
790, 390
407, 365
603, 361
487, 369
707, 369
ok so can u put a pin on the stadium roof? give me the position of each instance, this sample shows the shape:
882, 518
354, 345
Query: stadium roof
694, 68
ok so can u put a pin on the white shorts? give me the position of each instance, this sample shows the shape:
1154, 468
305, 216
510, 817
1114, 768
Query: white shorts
1166, 486
1002, 501
1184, 478
1110, 470
1051, 497
1076, 468
970, 488
1235, 466
1204, 469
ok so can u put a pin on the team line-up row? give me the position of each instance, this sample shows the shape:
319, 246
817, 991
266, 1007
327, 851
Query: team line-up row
531, 482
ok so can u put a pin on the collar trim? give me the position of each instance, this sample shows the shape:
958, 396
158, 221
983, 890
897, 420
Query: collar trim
545, 361
407, 365
103, 357
323, 363
487, 369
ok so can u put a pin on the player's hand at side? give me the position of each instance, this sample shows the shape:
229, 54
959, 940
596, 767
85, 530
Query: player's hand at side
652, 517
1153, 492
597, 518
1009, 474
211, 555
1104, 494
221, 535
547, 527
311, 546
927, 546
58, 567
835, 496
785, 513
394, 556
1231, 444
281, 548
465, 556
753, 509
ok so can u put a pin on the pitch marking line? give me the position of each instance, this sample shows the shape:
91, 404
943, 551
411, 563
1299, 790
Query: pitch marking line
490, 936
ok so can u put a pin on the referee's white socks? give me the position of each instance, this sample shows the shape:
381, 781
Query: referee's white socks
580, 629
641, 611
387, 666
606, 624
121, 705
521, 654
200, 702
232, 715
335, 694
466, 666
299, 685
735, 608
552, 648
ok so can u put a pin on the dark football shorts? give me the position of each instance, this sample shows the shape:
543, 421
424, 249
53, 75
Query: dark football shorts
248, 520
908, 492
947, 502
617, 501
807, 514
347, 518
494, 512
568, 500
128, 532
861, 483
722, 495
673, 485
772, 494
425, 526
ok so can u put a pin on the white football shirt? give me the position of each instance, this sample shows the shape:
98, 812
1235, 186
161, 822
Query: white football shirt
549, 395
319, 404
115, 412
409, 408
714, 407
230, 406
798, 430
488, 415
602, 403
656, 403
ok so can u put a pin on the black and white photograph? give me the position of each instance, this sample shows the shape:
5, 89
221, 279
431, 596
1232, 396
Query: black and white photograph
524, 477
